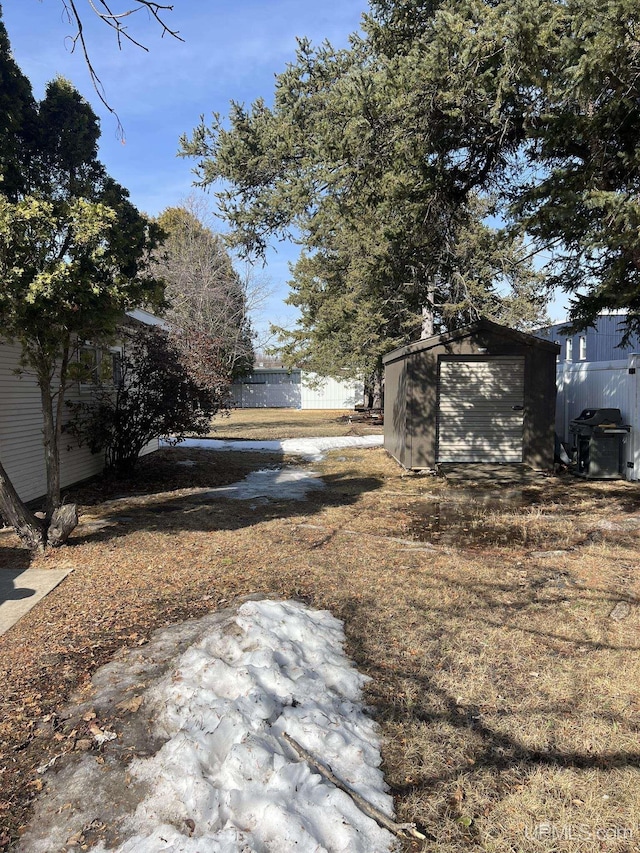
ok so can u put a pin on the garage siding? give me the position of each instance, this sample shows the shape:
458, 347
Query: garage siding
294, 389
480, 409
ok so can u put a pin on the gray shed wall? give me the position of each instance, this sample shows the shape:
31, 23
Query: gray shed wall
411, 388
396, 438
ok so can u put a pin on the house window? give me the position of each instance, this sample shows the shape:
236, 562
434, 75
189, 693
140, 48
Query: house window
583, 347
88, 365
560, 345
99, 366
569, 350
111, 367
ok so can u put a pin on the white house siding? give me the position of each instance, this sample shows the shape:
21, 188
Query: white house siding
149, 448
601, 342
590, 385
21, 448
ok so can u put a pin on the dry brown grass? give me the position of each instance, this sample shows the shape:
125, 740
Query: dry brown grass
508, 698
273, 424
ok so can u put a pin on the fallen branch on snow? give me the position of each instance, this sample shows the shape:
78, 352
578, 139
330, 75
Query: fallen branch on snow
403, 830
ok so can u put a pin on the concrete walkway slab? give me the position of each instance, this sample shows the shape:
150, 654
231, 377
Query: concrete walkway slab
22, 589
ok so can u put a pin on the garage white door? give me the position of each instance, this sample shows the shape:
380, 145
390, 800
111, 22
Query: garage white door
480, 412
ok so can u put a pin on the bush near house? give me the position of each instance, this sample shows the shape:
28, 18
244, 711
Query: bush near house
155, 396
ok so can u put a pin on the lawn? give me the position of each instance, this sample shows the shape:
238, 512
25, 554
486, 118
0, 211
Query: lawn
499, 625
269, 424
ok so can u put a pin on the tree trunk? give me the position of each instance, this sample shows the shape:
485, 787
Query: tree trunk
52, 421
428, 326
50, 445
30, 529
63, 521
34, 532
368, 394
378, 387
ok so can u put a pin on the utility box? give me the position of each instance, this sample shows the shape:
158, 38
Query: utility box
599, 437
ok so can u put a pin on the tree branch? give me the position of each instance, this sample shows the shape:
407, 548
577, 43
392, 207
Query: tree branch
403, 830
116, 21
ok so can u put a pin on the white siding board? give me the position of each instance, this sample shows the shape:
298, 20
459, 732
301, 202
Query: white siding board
21, 448
20, 425
154, 444
319, 393
603, 384
590, 385
295, 389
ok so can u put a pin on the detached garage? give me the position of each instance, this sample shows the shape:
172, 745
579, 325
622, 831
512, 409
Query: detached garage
278, 388
484, 393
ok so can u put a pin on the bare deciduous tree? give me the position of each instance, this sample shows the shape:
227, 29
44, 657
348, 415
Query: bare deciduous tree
209, 301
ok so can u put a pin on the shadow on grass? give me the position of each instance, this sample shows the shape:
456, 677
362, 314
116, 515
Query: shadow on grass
186, 499
540, 591
486, 741
174, 469
286, 420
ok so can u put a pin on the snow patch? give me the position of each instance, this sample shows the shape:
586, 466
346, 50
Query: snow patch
309, 448
218, 694
289, 484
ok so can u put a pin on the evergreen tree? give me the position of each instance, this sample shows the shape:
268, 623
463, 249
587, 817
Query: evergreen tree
383, 161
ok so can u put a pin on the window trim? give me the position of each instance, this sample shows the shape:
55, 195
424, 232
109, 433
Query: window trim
569, 350
582, 348
100, 353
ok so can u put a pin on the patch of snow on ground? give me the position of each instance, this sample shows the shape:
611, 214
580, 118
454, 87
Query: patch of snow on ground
311, 448
289, 484
221, 778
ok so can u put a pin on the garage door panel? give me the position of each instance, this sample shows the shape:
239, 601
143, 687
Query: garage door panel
477, 421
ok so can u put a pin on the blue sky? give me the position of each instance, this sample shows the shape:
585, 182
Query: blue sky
232, 49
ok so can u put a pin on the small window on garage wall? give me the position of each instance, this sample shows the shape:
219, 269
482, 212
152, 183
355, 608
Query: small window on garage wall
569, 349
583, 347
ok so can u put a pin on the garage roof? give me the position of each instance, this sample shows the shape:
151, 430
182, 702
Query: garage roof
480, 326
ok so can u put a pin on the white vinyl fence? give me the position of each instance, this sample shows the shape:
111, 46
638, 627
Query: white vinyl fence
597, 385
